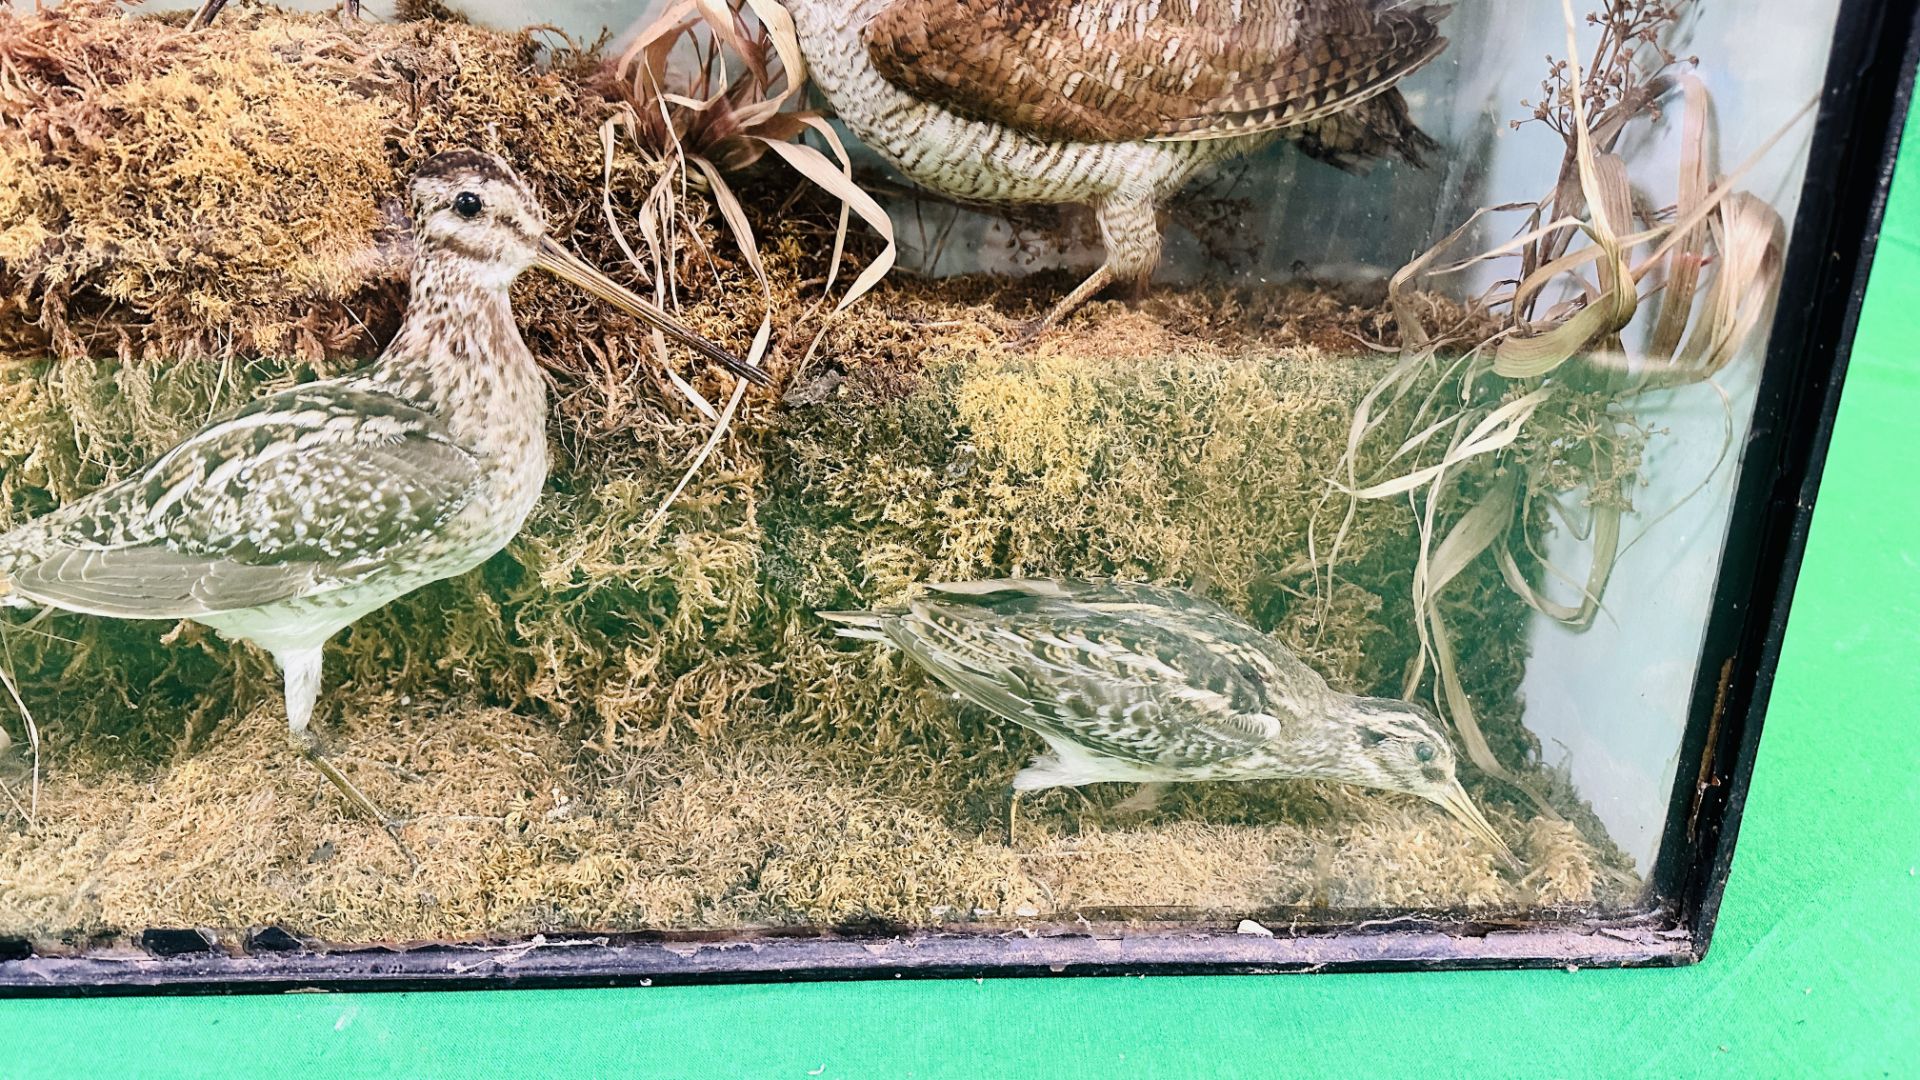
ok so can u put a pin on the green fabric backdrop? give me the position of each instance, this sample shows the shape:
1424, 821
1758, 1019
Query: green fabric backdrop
1814, 972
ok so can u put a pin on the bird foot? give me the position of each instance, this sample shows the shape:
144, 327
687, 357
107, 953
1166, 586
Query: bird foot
1030, 331
309, 745
1068, 304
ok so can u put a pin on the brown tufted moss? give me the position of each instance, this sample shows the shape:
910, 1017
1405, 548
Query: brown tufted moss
611, 726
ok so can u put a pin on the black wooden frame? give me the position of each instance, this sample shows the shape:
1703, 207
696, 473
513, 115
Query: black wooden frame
1860, 119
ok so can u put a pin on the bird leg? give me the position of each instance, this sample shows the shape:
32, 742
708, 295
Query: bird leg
1082, 293
1013, 812
1130, 232
309, 745
203, 17
301, 669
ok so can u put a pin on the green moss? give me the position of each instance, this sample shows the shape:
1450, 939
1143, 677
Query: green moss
612, 725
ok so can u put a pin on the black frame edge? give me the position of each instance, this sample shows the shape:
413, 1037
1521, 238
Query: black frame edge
1860, 125
596, 962
1867, 91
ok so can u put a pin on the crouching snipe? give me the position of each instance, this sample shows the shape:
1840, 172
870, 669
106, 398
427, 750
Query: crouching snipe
1137, 683
287, 521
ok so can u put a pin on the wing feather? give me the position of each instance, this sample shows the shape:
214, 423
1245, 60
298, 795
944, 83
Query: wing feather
1123, 70
1118, 682
155, 582
292, 495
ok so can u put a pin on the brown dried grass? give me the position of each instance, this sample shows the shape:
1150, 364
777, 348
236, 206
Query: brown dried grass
614, 726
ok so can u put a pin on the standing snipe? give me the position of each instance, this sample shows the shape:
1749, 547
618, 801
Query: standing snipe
1150, 685
287, 521
1113, 103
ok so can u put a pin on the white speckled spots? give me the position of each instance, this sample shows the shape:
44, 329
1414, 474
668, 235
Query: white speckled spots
985, 161
348, 493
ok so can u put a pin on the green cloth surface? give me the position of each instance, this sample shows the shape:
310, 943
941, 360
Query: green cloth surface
1815, 971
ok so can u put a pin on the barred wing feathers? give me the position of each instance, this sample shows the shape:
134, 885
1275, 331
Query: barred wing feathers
1128, 70
1129, 672
294, 494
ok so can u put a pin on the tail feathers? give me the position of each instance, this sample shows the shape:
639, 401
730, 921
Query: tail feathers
861, 625
1354, 140
12, 557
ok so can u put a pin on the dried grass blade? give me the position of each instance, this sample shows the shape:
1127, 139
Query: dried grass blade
1467, 723
1721, 189
650, 47
736, 218
693, 395
814, 165
1516, 580
1394, 386
735, 215
1474, 533
1412, 332
1604, 229
1496, 431
786, 45
1752, 242
1529, 288
723, 20
32, 810
754, 356
1605, 555
1690, 249
1614, 194
1609, 193
661, 191
1513, 246
1541, 354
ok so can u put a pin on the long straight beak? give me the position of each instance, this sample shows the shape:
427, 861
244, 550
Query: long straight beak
1456, 802
561, 263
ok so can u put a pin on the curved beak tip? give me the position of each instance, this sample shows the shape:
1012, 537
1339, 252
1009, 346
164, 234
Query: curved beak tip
1460, 806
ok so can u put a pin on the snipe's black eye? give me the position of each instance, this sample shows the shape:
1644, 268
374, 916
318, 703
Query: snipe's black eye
1424, 751
468, 205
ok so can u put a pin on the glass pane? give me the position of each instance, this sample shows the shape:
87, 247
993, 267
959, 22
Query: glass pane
1341, 547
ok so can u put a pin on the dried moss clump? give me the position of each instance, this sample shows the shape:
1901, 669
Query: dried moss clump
248, 267
614, 726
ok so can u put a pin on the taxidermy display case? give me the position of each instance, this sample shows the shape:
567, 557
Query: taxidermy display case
1088, 486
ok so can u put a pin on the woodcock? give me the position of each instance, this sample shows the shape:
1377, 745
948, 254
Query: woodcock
287, 521
1114, 104
1152, 685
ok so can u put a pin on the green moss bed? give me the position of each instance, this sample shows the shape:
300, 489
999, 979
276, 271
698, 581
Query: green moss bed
613, 727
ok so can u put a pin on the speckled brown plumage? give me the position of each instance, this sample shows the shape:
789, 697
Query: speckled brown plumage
1152, 685
1147, 69
1113, 103
287, 521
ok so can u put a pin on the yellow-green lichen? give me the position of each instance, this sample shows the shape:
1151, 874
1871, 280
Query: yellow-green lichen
614, 726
